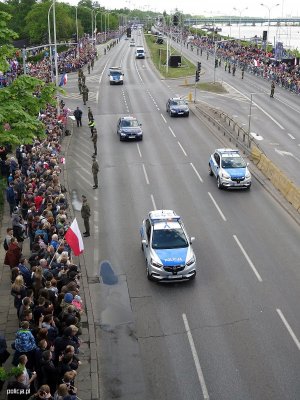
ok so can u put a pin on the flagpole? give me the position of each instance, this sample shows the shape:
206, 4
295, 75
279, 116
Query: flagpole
56, 251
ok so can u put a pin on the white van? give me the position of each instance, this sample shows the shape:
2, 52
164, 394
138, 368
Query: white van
139, 52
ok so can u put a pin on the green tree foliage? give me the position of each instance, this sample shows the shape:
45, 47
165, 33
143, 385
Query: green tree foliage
22, 100
19, 9
20, 108
37, 22
6, 35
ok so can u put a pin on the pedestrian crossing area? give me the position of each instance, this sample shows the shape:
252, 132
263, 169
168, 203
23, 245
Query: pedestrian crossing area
77, 96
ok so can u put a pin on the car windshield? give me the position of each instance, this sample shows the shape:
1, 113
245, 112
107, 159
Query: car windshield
129, 123
168, 239
177, 102
233, 162
115, 73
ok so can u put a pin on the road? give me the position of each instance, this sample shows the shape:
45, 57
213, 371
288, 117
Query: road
233, 333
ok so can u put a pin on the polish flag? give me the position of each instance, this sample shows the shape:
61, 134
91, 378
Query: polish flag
74, 239
63, 79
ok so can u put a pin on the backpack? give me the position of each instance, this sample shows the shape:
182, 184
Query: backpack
5, 245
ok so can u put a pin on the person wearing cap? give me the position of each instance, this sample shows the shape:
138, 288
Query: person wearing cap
95, 170
86, 213
91, 124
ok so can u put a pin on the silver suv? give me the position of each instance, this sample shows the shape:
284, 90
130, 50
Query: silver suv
167, 248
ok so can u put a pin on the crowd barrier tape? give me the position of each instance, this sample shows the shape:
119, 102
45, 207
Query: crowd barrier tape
293, 196
263, 164
255, 155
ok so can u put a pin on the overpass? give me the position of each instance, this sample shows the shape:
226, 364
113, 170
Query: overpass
228, 20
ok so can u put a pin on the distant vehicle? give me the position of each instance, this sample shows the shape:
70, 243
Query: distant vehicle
139, 52
176, 106
132, 43
128, 128
230, 169
128, 32
116, 76
167, 247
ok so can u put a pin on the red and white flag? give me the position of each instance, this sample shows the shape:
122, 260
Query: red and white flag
74, 239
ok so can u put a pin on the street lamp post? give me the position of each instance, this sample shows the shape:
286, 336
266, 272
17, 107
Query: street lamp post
240, 12
269, 8
49, 38
55, 45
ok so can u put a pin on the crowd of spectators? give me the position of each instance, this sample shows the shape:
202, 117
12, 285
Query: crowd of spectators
251, 58
44, 279
45, 282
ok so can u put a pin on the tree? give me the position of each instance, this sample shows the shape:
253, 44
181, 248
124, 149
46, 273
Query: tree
19, 9
6, 35
22, 100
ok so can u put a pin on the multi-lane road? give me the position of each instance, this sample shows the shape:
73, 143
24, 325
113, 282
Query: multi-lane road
234, 332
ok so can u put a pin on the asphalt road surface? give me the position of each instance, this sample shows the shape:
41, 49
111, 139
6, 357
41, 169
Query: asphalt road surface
232, 333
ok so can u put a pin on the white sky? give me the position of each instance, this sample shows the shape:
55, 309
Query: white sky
286, 8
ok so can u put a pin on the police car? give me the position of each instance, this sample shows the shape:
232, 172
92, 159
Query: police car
167, 248
229, 168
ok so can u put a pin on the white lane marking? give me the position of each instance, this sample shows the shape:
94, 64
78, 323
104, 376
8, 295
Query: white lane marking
153, 202
196, 172
217, 207
196, 358
97, 97
291, 136
171, 130
247, 258
163, 118
138, 147
260, 108
182, 149
287, 325
145, 173
100, 78
82, 177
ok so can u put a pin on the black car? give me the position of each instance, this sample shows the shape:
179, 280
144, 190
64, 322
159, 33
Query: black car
129, 129
177, 107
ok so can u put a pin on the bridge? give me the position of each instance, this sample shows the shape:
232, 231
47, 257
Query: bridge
228, 20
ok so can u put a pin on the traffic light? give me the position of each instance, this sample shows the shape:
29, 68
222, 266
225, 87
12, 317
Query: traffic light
197, 77
199, 66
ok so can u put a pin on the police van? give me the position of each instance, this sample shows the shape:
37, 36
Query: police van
139, 52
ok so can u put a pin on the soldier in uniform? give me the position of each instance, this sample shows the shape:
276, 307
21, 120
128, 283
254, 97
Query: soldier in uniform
95, 170
229, 66
79, 86
94, 140
90, 114
233, 70
85, 94
272, 89
92, 125
243, 71
89, 68
86, 213
83, 79
92, 64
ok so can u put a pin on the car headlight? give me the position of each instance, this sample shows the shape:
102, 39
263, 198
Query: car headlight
191, 261
248, 175
225, 175
172, 110
156, 264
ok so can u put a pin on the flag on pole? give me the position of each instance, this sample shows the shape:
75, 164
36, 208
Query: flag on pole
74, 239
63, 79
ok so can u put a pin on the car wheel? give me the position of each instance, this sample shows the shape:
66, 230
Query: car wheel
220, 186
187, 114
142, 247
121, 138
248, 187
141, 138
193, 277
210, 170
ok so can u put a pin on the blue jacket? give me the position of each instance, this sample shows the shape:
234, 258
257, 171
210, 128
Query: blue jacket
10, 195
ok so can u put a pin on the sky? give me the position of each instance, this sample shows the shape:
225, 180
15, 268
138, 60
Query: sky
286, 8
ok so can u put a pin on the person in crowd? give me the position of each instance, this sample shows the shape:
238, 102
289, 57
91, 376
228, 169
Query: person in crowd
24, 344
49, 373
29, 376
17, 384
13, 254
78, 116
18, 291
43, 393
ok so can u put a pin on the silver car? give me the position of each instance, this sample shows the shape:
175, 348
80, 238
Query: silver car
167, 248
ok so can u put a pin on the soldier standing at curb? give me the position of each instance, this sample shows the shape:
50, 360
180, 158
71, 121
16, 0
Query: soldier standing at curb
83, 79
92, 126
94, 140
79, 85
85, 94
92, 64
95, 170
90, 114
243, 71
89, 68
272, 89
86, 213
